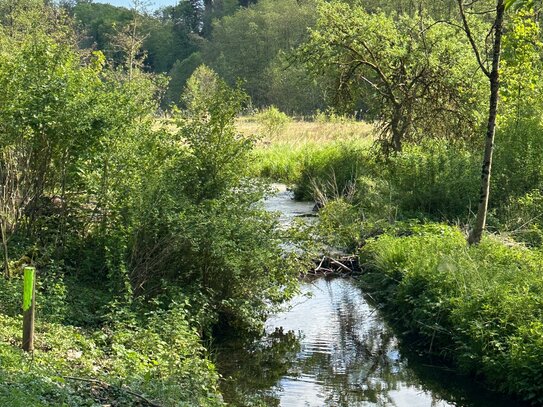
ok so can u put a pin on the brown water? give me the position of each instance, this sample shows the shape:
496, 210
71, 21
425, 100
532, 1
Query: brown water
330, 348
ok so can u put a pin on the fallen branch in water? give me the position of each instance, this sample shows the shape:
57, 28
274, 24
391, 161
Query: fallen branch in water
343, 267
320, 265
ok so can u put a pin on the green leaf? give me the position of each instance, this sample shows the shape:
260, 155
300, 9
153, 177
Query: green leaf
518, 4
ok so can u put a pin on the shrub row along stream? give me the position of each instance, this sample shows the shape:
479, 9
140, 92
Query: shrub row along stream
476, 309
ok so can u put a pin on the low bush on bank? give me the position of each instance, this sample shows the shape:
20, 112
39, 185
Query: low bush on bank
436, 180
163, 362
479, 307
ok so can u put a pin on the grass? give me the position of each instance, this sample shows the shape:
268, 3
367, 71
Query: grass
479, 307
298, 133
300, 150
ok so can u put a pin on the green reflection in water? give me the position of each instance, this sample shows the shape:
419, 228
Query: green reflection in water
331, 348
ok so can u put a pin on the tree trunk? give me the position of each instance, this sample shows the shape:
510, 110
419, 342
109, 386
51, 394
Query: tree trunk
3, 232
397, 131
480, 222
208, 7
397, 141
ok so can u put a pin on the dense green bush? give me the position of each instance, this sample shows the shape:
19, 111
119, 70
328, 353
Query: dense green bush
479, 307
123, 217
434, 179
271, 121
203, 229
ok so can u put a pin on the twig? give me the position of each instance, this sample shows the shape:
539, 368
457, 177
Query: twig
341, 265
320, 265
107, 385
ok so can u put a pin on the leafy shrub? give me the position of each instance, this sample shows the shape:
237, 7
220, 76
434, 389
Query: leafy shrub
203, 231
339, 225
434, 179
479, 307
272, 121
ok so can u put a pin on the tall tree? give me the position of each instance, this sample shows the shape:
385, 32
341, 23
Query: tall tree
406, 69
492, 72
249, 45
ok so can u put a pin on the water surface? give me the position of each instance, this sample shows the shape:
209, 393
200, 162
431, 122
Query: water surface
347, 355
283, 203
330, 348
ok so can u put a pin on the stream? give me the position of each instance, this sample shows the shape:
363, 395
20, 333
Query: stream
330, 347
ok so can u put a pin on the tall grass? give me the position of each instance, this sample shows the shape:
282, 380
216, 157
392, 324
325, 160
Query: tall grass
298, 133
309, 152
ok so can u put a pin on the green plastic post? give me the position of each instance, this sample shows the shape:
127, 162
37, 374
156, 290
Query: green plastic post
28, 292
29, 306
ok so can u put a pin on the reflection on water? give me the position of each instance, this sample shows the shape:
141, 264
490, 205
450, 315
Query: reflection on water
331, 348
347, 357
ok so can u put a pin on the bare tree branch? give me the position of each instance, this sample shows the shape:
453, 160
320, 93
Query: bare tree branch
471, 40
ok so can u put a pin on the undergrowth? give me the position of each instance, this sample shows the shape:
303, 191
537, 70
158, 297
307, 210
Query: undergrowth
123, 364
479, 307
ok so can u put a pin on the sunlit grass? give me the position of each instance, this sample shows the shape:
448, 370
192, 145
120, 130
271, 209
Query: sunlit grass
281, 156
299, 133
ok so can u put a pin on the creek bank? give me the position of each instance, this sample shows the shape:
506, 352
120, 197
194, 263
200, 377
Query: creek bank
330, 346
476, 309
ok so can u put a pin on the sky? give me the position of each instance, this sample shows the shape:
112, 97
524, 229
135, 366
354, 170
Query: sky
154, 4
